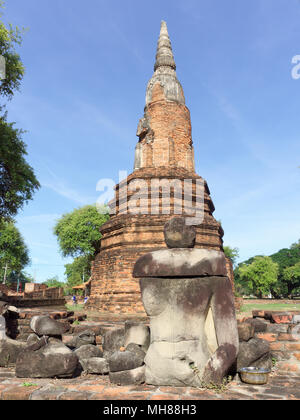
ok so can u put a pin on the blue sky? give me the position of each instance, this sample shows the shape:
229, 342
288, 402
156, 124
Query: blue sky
87, 66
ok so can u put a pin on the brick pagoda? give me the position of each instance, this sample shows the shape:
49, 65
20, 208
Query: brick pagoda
164, 152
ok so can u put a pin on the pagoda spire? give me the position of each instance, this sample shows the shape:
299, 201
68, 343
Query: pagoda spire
164, 55
165, 70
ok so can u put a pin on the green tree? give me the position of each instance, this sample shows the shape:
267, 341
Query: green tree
17, 179
285, 258
78, 272
296, 245
260, 275
291, 277
54, 282
78, 232
231, 253
78, 235
10, 38
74, 280
14, 255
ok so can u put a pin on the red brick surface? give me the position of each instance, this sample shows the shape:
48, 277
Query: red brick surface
280, 386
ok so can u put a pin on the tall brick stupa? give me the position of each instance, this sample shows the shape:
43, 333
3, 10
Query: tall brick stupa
164, 153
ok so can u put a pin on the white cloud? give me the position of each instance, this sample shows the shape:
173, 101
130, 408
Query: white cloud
69, 193
60, 187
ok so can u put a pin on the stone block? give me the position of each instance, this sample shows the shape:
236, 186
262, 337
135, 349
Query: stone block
95, 365
127, 360
88, 351
128, 377
260, 326
9, 351
246, 331
137, 334
178, 234
252, 351
50, 360
113, 340
44, 325
83, 338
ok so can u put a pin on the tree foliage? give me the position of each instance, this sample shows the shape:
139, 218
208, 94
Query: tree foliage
13, 251
78, 271
296, 245
78, 235
286, 284
260, 275
10, 39
231, 253
78, 232
54, 282
285, 258
17, 179
291, 276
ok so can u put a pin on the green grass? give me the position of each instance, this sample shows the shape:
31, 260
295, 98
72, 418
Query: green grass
28, 384
270, 307
75, 308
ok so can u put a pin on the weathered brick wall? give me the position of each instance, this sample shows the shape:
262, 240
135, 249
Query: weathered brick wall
35, 293
34, 287
283, 336
51, 293
284, 346
168, 141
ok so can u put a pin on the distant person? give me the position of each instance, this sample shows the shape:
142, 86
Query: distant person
74, 300
86, 299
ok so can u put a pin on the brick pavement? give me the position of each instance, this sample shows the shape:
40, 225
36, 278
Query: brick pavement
280, 387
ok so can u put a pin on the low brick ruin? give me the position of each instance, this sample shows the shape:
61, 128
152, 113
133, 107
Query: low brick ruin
34, 296
281, 330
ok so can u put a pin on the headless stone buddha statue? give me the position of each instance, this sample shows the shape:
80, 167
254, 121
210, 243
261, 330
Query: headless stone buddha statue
189, 299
